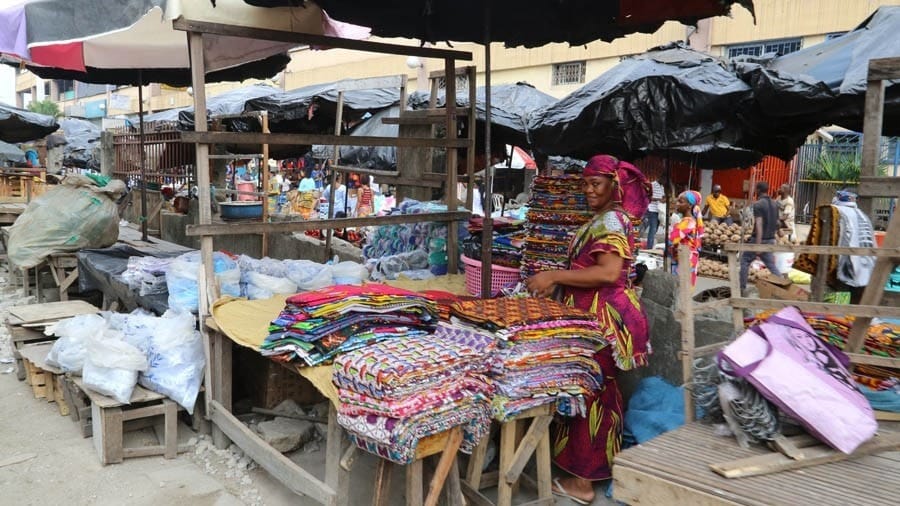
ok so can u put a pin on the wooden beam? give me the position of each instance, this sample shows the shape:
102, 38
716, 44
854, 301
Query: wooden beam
872, 130
317, 40
685, 299
435, 74
633, 486
707, 307
369, 83
884, 68
310, 139
294, 477
527, 446
863, 359
300, 226
878, 186
775, 462
816, 250
819, 307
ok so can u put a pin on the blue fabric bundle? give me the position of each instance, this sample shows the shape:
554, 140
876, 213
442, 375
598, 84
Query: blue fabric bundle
654, 408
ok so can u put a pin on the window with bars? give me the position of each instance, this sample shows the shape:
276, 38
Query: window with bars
462, 83
569, 73
780, 47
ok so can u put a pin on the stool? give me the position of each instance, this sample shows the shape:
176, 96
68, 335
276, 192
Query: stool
109, 422
447, 445
59, 264
46, 381
514, 455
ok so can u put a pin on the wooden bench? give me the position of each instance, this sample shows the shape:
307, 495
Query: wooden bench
110, 419
515, 452
45, 380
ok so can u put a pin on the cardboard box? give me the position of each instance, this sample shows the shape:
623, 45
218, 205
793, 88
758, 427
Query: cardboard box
776, 287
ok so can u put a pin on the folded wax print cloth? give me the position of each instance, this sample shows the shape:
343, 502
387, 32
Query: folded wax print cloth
496, 314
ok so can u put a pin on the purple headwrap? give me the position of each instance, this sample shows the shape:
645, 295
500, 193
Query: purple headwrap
634, 190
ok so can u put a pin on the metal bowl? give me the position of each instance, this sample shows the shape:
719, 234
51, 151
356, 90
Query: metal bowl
240, 210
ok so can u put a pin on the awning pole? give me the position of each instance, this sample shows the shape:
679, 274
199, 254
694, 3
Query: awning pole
487, 233
144, 217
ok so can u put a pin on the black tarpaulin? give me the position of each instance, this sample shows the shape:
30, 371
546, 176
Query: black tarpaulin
19, 125
229, 103
82, 143
11, 153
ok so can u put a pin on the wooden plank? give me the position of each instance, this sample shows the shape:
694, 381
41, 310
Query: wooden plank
448, 456
37, 355
823, 260
144, 412
432, 445
543, 463
884, 252
859, 310
709, 348
450, 166
295, 478
878, 186
107, 433
336, 478
311, 139
777, 462
299, 226
707, 307
884, 68
887, 416
685, 298
140, 394
52, 311
317, 40
382, 484
414, 483
476, 463
507, 450
453, 489
633, 486
475, 497
536, 432
872, 129
859, 358
734, 282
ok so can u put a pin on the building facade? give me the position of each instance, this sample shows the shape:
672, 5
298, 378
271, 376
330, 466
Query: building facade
781, 26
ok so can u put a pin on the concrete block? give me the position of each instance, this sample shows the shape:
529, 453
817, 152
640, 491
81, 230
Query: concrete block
660, 287
286, 434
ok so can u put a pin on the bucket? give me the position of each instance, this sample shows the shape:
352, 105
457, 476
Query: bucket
246, 187
879, 239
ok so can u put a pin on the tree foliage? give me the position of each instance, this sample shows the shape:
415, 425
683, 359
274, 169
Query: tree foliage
46, 106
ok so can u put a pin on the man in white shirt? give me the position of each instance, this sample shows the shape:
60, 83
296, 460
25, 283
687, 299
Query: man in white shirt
651, 218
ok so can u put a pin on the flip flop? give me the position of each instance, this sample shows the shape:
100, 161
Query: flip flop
558, 489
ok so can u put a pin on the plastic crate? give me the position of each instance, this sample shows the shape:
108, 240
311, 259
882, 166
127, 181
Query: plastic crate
501, 277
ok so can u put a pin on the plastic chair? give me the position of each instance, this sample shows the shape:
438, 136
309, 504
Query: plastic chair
497, 201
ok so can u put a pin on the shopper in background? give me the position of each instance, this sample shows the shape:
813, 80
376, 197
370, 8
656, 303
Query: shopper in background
688, 231
651, 217
786, 211
765, 226
717, 206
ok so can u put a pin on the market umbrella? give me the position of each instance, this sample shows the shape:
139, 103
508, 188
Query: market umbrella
19, 125
11, 153
134, 42
837, 68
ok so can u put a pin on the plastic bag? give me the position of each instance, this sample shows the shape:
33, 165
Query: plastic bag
175, 359
138, 328
389, 267
261, 286
309, 275
349, 273
111, 367
68, 352
184, 271
71, 216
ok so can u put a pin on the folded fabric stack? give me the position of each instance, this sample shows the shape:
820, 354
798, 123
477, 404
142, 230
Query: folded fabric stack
545, 352
397, 392
316, 326
556, 210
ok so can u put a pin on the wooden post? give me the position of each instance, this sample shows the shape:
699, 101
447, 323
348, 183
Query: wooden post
264, 175
470, 153
450, 166
822, 260
335, 158
734, 278
686, 310
872, 128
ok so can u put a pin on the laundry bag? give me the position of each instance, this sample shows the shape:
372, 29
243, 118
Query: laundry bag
794, 369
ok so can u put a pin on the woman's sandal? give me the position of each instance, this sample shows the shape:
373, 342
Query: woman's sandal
558, 489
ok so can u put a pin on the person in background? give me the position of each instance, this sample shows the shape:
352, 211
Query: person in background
786, 211
717, 206
364, 201
306, 182
318, 176
340, 195
599, 280
651, 217
688, 231
765, 226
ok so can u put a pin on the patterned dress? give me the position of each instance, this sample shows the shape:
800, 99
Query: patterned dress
686, 232
585, 446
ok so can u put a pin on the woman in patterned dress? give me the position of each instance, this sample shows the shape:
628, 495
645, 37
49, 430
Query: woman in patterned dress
688, 231
599, 279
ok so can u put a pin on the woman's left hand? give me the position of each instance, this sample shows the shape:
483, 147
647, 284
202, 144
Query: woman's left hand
542, 284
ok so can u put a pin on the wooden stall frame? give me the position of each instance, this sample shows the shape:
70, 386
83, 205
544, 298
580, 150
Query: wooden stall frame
334, 489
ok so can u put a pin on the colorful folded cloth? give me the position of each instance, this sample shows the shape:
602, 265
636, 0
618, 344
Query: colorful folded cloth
494, 314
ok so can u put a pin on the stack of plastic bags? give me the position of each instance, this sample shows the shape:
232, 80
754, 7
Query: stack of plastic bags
147, 275
399, 391
115, 352
316, 326
545, 352
556, 210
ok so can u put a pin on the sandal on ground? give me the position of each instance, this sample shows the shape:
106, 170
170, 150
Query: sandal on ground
558, 489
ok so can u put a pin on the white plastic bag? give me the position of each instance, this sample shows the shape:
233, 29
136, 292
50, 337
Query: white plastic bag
111, 367
176, 360
68, 352
309, 275
349, 273
261, 286
184, 272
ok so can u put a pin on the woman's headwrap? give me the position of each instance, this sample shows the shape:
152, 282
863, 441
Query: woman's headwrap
694, 199
634, 190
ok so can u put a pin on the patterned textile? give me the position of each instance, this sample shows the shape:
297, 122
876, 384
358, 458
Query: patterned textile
435, 398
634, 189
494, 314
808, 262
688, 233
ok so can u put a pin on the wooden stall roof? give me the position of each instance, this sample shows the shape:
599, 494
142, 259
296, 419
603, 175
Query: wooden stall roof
673, 469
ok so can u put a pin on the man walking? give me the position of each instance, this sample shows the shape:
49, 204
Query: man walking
651, 217
717, 205
765, 226
786, 211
